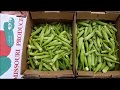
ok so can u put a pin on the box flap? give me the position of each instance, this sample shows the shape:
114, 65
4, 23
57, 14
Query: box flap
109, 74
115, 12
27, 35
52, 11
74, 31
52, 15
97, 15
85, 74
49, 74
98, 12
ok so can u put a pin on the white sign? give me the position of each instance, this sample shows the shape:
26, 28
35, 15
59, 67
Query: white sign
12, 31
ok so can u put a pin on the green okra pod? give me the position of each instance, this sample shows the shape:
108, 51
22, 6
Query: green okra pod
96, 60
83, 23
80, 67
62, 66
99, 59
86, 46
37, 54
35, 27
36, 32
41, 35
98, 42
89, 29
104, 34
109, 64
49, 40
47, 32
80, 29
89, 61
36, 63
110, 60
112, 41
105, 51
40, 66
64, 39
89, 36
52, 43
65, 48
44, 69
80, 34
77, 63
94, 23
80, 41
103, 65
86, 61
92, 51
69, 37
59, 51
67, 62
113, 66
46, 60
45, 38
40, 57
106, 68
64, 43
86, 31
50, 53
57, 65
99, 33
112, 27
96, 46
109, 56
54, 68
54, 59
98, 67
82, 55
111, 52
92, 60
107, 31
50, 48
32, 64
63, 33
96, 51
37, 46
101, 23
91, 44
47, 67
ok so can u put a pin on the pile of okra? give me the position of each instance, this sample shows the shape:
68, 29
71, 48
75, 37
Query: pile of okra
96, 46
50, 47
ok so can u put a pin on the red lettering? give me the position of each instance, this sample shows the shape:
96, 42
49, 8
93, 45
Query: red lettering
18, 42
19, 35
20, 28
17, 53
16, 63
20, 21
15, 76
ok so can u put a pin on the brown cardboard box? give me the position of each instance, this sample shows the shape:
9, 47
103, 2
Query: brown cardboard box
112, 16
41, 17
35, 18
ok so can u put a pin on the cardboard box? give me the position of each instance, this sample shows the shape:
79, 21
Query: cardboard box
111, 16
12, 29
41, 17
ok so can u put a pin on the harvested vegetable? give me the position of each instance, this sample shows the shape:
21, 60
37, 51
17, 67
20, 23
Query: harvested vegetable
100, 46
50, 47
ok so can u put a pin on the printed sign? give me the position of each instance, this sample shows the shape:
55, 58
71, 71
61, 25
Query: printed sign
12, 30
